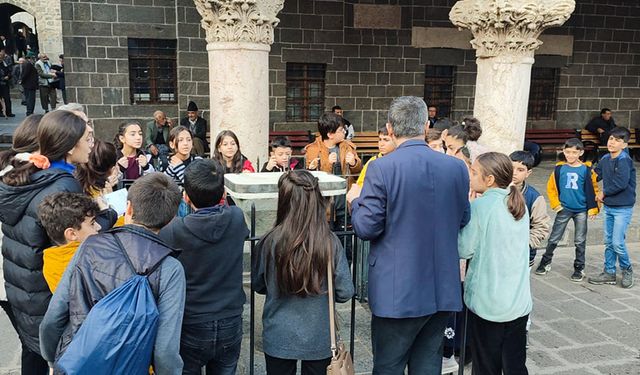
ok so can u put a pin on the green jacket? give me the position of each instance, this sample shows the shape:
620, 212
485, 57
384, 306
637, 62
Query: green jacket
152, 130
496, 287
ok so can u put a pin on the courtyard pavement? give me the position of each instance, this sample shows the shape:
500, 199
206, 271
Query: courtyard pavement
578, 328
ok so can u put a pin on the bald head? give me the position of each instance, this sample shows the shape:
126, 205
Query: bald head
160, 117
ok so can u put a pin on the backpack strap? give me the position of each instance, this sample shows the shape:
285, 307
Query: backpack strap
126, 256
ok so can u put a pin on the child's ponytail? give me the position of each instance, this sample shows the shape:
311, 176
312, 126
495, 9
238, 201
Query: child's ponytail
516, 203
500, 167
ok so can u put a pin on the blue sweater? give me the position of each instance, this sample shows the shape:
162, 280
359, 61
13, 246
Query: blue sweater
618, 177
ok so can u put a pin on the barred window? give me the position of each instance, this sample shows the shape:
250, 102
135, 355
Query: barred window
543, 94
305, 91
152, 70
438, 88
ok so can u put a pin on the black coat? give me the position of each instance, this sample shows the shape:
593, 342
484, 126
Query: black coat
200, 130
211, 242
22, 246
29, 76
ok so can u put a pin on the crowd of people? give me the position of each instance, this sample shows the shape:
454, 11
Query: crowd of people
30, 74
451, 224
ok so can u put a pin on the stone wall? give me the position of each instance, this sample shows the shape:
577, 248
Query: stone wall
605, 68
97, 65
368, 65
370, 60
48, 21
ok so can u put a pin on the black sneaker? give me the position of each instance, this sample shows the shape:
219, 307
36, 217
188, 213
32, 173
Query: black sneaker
543, 268
577, 276
603, 278
627, 278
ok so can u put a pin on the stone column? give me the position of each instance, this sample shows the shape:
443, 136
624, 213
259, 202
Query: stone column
239, 37
505, 37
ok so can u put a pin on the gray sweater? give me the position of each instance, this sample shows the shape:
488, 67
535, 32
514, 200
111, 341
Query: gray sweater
295, 327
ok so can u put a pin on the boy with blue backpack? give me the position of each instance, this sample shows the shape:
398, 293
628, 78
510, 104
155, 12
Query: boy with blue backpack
118, 308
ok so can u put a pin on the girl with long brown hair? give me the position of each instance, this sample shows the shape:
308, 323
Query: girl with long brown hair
64, 141
290, 267
227, 152
496, 288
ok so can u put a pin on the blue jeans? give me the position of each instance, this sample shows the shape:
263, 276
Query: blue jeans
616, 221
413, 342
580, 237
214, 344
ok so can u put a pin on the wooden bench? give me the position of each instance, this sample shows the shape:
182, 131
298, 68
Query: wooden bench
550, 139
591, 143
366, 143
299, 139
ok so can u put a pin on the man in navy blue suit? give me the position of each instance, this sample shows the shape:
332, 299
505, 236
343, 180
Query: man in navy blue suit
411, 207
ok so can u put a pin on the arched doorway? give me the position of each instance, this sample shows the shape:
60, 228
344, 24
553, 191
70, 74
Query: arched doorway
43, 34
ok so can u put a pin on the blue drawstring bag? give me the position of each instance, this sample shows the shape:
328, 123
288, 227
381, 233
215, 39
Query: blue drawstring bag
118, 334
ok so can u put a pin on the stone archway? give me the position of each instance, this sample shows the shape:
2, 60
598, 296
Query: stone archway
48, 22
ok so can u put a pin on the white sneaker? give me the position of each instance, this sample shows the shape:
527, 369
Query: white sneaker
449, 365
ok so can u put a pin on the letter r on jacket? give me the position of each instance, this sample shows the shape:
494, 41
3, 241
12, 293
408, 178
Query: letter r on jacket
572, 181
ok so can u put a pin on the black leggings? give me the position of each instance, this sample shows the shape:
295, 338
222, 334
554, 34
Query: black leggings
279, 366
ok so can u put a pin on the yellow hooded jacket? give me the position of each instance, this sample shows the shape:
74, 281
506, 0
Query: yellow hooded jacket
593, 207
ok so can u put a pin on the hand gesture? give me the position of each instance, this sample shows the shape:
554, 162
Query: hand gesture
154, 150
350, 159
354, 192
142, 160
169, 122
272, 162
315, 163
600, 197
124, 163
333, 158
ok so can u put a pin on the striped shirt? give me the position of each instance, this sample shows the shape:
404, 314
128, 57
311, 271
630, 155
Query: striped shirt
177, 171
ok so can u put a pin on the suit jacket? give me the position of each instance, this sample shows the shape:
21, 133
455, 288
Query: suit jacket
44, 77
152, 130
29, 76
414, 268
17, 73
200, 128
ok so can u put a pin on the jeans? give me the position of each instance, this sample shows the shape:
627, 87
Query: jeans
580, 238
498, 348
163, 157
616, 221
214, 344
30, 99
279, 366
416, 342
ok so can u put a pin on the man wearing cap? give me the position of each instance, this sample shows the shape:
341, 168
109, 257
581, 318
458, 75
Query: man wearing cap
198, 127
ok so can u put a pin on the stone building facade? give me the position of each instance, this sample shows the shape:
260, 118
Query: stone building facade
370, 50
48, 18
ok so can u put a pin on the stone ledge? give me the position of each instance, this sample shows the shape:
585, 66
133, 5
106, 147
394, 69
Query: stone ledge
449, 37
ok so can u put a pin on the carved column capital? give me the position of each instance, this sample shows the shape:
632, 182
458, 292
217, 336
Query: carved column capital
244, 21
509, 27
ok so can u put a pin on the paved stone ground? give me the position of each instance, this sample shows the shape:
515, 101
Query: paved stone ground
577, 329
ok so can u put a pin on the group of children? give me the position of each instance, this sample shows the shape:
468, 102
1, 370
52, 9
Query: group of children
183, 209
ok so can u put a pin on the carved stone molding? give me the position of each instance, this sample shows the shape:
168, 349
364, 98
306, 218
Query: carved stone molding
509, 26
248, 21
